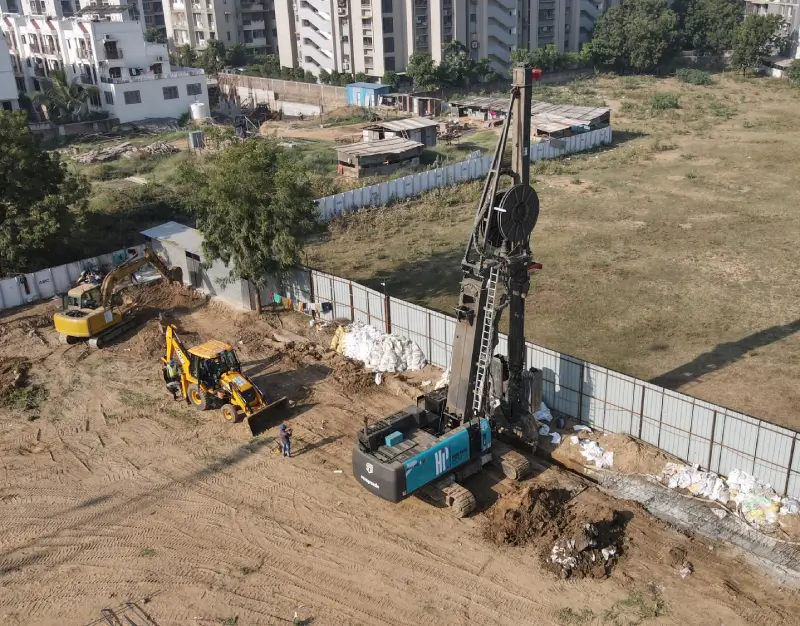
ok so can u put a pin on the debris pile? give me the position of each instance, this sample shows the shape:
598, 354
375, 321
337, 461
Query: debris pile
573, 538
593, 453
378, 351
755, 502
125, 150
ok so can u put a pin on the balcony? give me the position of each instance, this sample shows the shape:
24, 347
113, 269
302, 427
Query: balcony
252, 6
35, 48
182, 72
39, 71
113, 53
84, 53
52, 50
254, 25
86, 79
179, 5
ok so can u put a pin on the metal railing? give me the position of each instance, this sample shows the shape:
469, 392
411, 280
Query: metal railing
113, 80
113, 53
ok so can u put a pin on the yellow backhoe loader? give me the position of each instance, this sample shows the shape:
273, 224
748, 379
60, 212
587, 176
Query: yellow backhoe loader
210, 375
96, 312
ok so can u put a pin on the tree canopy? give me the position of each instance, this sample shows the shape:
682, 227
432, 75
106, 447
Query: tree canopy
186, 56
36, 193
155, 35
707, 26
253, 204
65, 100
390, 78
793, 73
757, 36
422, 70
638, 34
547, 58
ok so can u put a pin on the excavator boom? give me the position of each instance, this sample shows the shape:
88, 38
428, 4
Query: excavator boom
121, 272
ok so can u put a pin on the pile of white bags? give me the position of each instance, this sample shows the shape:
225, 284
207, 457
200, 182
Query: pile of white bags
381, 352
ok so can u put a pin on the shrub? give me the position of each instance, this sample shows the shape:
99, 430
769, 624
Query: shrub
693, 77
664, 101
793, 74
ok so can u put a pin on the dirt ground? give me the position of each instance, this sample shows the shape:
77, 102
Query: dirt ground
111, 491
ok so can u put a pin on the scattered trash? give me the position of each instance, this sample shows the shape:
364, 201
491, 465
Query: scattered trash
580, 427
556, 438
543, 414
687, 569
544, 430
378, 378
574, 440
756, 502
337, 471
443, 381
559, 422
580, 553
126, 150
720, 513
594, 453
426, 383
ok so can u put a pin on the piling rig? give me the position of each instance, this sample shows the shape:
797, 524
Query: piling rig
430, 448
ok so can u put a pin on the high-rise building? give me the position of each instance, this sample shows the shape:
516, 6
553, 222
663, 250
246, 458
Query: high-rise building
251, 23
8, 85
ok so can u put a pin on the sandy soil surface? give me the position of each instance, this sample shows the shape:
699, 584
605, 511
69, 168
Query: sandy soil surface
111, 491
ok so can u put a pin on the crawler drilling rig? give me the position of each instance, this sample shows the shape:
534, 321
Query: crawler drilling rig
429, 449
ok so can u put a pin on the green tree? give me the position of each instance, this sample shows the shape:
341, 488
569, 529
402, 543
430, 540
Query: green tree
236, 55
793, 73
423, 71
212, 59
757, 36
63, 99
638, 34
155, 35
36, 194
325, 77
362, 77
390, 78
253, 204
186, 56
457, 67
707, 26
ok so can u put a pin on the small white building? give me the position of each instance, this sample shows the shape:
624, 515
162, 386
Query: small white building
135, 78
8, 86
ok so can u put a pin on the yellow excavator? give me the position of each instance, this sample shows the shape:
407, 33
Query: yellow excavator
97, 312
210, 375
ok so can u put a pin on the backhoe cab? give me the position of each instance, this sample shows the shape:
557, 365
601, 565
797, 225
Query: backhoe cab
211, 376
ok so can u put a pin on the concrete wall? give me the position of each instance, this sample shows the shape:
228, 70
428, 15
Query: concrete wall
280, 93
151, 93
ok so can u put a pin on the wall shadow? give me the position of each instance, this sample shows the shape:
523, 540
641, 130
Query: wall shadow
724, 354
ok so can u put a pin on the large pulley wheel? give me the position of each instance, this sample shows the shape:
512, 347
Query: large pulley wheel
519, 210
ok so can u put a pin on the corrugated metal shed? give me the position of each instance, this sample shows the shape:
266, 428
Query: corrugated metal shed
411, 123
185, 237
584, 115
382, 146
365, 94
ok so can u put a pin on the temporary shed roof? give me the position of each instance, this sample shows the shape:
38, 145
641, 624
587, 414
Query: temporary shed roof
367, 85
583, 115
184, 237
411, 123
382, 146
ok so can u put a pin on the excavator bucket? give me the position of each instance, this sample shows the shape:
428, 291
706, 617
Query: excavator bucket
261, 420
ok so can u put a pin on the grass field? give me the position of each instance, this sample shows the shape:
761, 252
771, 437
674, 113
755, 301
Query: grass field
671, 255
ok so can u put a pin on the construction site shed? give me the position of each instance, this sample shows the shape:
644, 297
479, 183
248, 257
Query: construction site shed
365, 94
384, 156
414, 128
181, 246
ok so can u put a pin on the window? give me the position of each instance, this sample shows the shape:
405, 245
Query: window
229, 36
388, 63
473, 17
170, 93
36, 85
388, 44
109, 96
387, 6
94, 100
133, 97
194, 89
227, 18
212, 35
388, 25
200, 35
22, 38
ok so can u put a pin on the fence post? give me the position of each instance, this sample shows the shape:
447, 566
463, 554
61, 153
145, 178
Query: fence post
352, 304
711, 440
311, 293
387, 314
789, 468
580, 394
641, 412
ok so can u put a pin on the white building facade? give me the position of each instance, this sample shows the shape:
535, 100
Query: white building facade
135, 79
8, 84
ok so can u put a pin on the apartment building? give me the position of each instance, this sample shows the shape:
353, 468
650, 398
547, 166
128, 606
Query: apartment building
149, 13
135, 78
249, 22
52, 8
8, 84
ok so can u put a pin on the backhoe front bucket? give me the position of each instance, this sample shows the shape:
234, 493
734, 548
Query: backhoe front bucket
261, 420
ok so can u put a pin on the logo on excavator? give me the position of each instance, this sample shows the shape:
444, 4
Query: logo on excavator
441, 457
370, 469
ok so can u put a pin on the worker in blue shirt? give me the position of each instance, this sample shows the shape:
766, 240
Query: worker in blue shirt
286, 440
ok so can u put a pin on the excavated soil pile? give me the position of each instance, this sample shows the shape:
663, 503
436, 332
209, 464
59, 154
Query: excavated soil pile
166, 297
351, 375
148, 343
10, 332
631, 456
572, 537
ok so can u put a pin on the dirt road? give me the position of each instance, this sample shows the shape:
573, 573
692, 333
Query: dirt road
115, 492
